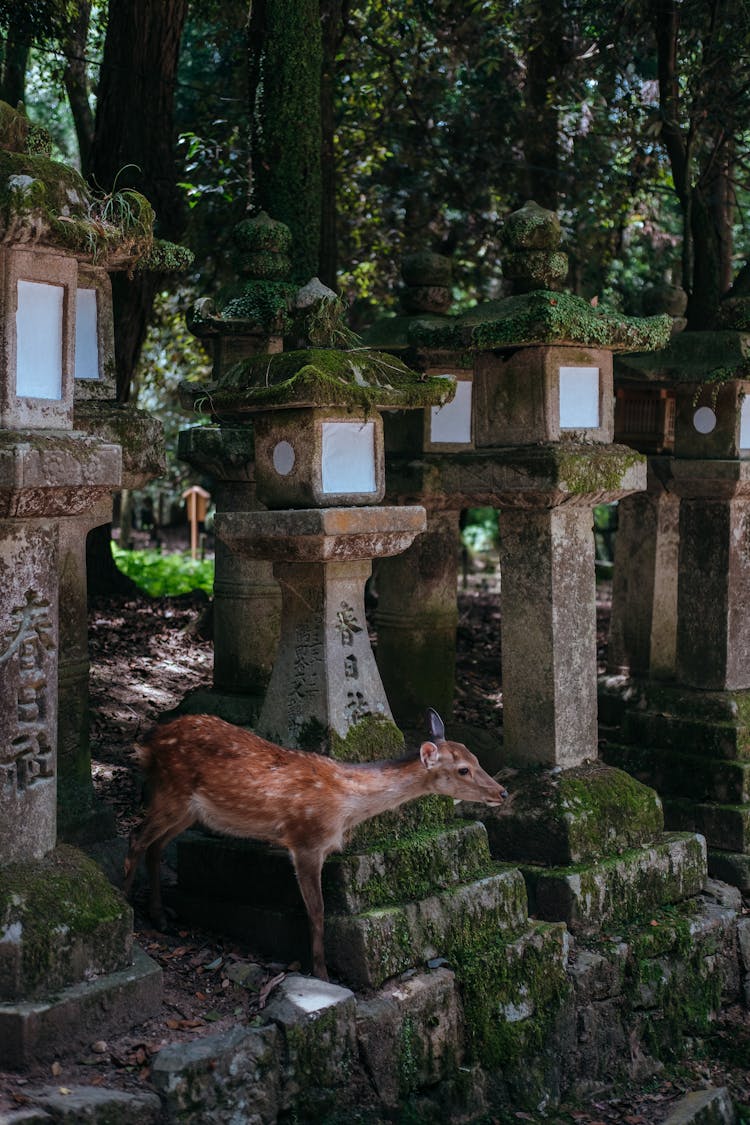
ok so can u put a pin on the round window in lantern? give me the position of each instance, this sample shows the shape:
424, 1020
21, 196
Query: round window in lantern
283, 458
704, 420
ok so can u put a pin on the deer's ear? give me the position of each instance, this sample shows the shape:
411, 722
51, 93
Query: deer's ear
435, 725
429, 754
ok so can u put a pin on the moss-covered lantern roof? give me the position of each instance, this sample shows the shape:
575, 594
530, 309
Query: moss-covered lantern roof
543, 317
358, 379
692, 357
46, 203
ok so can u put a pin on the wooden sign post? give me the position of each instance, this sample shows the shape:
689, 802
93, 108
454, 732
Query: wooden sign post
196, 501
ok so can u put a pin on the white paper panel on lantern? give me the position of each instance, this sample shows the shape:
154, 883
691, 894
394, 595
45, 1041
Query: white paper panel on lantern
745, 423
348, 457
87, 336
452, 422
39, 340
579, 398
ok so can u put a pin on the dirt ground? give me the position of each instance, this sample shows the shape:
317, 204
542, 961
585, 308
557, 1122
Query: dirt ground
145, 655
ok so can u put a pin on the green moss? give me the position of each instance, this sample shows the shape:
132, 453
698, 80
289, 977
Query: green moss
263, 233
543, 317
14, 128
265, 304
540, 269
358, 379
694, 357
532, 227
55, 902
265, 265
372, 737
166, 257
592, 469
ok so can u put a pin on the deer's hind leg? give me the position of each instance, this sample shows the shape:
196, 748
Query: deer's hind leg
308, 867
156, 832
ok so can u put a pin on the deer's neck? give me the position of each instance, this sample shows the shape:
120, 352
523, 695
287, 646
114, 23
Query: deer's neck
371, 790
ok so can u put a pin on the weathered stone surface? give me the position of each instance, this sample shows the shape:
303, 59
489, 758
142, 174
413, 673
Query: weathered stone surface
520, 477
713, 1106
713, 646
321, 534
411, 868
570, 816
318, 1023
416, 619
643, 630
596, 977
694, 736
140, 435
674, 774
226, 1078
99, 1106
366, 949
622, 887
60, 920
30, 1115
548, 629
732, 867
517, 395
724, 399
410, 1034
34, 1030
724, 826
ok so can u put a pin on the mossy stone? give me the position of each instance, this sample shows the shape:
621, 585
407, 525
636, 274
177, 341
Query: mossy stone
265, 265
359, 380
427, 268
532, 227
535, 269
60, 919
431, 299
263, 233
573, 816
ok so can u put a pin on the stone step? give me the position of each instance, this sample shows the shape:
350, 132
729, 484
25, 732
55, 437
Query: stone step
725, 826
731, 867
366, 949
34, 1030
676, 774
411, 867
625, 887
710, 739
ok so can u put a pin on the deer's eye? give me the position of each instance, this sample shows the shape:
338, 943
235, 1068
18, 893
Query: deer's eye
464, 770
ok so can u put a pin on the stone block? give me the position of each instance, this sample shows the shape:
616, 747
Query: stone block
571, 816
365, 949
725, 826
691, 735
94, 1105
596, 977
60, 921
713, 1106
30, 1115
674, 774
225, 1078
37, 1030
413, 867
317, 1020
731, 867
588, 897
410, 1034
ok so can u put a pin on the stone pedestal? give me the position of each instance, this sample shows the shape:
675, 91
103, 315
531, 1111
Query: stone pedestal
416, 621
247, 599
548, 636
643, 630
325, 681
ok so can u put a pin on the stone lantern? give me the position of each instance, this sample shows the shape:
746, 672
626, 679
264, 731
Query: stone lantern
56, 903
319, 467
543, 455
677, 694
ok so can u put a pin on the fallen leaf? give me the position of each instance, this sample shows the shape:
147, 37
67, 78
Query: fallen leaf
56, 1069
65, 1090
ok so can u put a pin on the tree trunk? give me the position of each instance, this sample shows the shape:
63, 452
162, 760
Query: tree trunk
134, 144
77, 82
545, 63
13, 62
285, 45
333, 15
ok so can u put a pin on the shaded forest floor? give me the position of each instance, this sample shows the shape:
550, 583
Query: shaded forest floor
146, 655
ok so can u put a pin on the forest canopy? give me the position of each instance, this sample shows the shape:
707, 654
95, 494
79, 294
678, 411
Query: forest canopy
376, 129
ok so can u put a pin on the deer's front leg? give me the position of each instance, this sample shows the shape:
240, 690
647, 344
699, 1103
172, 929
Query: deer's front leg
308, 867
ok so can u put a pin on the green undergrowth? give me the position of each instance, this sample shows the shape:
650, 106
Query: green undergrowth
165, 576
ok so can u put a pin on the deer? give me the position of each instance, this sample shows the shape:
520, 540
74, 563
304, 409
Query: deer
201, 769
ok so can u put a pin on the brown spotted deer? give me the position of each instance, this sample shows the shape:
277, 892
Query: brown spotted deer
200, 768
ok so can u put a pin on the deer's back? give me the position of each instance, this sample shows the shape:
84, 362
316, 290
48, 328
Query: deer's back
238, 783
